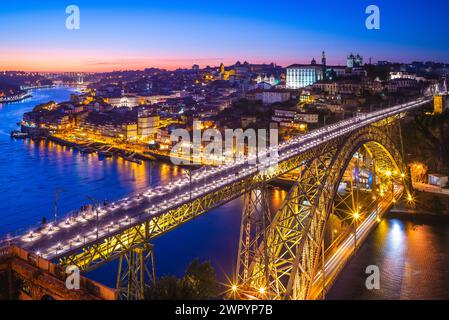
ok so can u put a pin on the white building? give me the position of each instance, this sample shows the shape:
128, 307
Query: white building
273, 96
438, 180
300, 76
125, 101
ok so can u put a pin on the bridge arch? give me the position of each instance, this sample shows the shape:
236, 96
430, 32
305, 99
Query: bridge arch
296, 233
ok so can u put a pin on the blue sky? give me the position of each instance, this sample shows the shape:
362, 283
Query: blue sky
171, 33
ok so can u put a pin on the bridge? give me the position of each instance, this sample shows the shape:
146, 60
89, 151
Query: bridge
282, 255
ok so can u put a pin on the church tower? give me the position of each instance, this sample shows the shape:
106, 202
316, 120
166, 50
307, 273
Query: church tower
324, 64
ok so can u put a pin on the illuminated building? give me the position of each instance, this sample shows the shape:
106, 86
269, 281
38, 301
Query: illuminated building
147, 126
441, 103
438, 180
300, 76
438, 105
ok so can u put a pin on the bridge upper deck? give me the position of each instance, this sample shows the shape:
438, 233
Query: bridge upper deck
158, 210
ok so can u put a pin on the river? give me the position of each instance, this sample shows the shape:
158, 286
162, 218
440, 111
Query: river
30, 172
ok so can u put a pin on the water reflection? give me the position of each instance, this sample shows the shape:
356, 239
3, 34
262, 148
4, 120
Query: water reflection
412, 255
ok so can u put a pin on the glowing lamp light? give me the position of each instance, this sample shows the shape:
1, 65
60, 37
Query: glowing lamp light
356, 216
262, 290
234, 288
388, 173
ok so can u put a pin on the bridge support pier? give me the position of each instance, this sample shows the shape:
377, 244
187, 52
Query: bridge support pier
136, 271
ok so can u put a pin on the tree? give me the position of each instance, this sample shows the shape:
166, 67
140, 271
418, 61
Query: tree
200, 280
199, 283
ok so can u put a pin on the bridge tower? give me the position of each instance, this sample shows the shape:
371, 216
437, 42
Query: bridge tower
136, 272
255, 219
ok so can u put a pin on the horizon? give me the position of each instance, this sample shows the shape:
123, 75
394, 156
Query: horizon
114, 36
187, 67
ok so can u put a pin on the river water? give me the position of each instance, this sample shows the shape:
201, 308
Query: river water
411, 256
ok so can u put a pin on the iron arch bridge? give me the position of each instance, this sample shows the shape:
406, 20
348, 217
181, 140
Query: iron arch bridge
282, 262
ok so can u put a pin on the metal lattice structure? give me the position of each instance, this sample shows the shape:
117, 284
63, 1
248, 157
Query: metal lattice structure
136, 272
287, 264
295, 237
255, 219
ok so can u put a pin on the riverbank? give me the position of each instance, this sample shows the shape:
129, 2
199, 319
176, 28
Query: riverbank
16, 98
129, 154
416, 215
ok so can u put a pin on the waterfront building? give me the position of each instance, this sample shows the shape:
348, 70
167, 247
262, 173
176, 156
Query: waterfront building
147, 126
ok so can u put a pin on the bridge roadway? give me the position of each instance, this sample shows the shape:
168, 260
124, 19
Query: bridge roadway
73, 234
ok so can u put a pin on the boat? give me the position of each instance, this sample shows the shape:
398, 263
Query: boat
87, 150
130, 158
19, 135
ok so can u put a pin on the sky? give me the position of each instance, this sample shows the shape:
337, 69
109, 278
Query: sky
119, 35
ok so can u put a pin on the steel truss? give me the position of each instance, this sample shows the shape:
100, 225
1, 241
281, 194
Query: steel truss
295, 237
255, 218
136, 272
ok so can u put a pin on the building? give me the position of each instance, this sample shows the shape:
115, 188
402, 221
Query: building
402, 75
127, 101
438, 180
307, 117
399, 84
273, 96
147, 126
301, 76
271, 80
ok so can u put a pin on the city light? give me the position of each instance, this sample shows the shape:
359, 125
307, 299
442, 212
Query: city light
333, 132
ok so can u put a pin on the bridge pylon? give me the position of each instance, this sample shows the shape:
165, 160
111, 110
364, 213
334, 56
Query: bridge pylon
136, 271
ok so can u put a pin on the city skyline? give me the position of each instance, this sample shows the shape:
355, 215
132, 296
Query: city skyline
177, 35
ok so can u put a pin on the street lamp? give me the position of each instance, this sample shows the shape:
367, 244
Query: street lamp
356, 217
